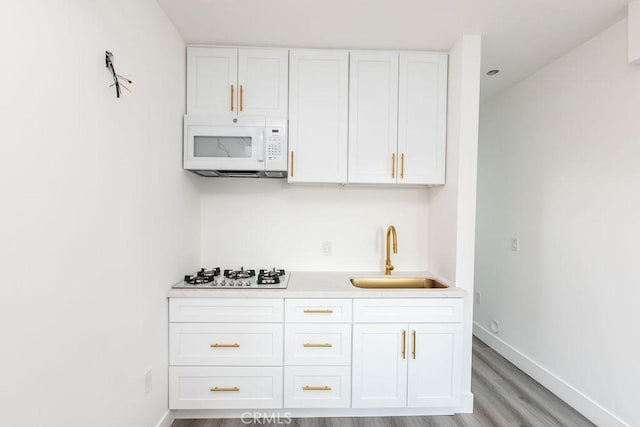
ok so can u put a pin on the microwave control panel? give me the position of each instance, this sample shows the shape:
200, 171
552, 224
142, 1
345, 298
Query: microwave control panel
275, 143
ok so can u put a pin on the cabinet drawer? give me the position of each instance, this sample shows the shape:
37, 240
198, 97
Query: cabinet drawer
439, 310
317, 387
225, 310
225, 344
309, 344
225, 388
317, 310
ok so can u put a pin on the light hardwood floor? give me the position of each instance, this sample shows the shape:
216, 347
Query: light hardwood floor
504, 397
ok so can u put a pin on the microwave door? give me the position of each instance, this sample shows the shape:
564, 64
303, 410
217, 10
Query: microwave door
220, 148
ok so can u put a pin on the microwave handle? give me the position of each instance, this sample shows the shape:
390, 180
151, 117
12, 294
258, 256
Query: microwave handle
261, 143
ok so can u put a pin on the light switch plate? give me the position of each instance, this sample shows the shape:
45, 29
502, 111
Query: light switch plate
515, 244
326, 248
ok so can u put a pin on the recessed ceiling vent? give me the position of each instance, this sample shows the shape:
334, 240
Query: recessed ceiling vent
634, 32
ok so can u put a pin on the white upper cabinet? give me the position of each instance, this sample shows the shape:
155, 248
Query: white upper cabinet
212, 80
318, 116
373, 117
262, 82
397, 118
370, 117
231, 82
422, 118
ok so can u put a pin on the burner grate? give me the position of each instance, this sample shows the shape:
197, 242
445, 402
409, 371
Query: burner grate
239, 274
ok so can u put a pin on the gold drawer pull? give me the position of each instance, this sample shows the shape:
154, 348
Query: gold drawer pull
323, 388
232, 108
404, 344
393, 165
324, 345
318, 311
225, 389
241, 95
292, 164
413, 353
224, 345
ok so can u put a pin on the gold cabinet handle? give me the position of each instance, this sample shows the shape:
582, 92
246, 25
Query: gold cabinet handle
318, 311
231, 97
292, 164
224, 345
323, 345
404, 344
402, 166
413, 352
225, 389
323, 388
241, 96
393, 165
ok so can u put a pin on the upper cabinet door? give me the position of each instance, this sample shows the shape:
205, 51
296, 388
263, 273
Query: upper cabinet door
262, 82
318, 114
434, 365
373, 117
422, 118
212, 86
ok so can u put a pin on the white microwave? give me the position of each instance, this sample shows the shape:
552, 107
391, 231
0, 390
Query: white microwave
250, 146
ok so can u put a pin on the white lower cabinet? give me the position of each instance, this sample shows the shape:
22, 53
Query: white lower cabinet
317, 353
250, 353
225, 387
317, 386
379, 366
434, 365
317, 344
225, 344
225, 353
406, 365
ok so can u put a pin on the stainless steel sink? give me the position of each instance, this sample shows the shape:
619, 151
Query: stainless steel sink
396, 283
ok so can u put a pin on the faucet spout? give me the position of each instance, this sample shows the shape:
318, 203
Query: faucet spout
391, 232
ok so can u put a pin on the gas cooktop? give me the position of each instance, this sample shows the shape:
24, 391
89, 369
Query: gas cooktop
215, 278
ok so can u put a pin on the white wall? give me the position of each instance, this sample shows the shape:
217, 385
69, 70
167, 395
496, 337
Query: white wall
559, 168
452, 206
267, 222
97, 216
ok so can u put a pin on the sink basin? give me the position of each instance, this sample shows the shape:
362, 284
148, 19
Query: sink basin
396, 283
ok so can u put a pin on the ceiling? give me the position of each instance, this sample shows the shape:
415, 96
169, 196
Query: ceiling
518, 36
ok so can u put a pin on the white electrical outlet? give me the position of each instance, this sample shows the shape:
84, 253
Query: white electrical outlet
148, 382
477, 298
515, 244
326, 248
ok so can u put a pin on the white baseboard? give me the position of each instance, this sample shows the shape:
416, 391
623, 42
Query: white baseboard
283, 414
166, 420
467, 404
565, 391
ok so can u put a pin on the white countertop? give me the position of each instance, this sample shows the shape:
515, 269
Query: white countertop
323, 284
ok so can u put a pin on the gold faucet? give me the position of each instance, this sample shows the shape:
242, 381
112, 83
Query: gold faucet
387, 265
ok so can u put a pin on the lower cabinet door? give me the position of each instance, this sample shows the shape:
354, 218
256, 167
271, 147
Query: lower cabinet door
379, 365
225, 387
317, 387
434, 365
